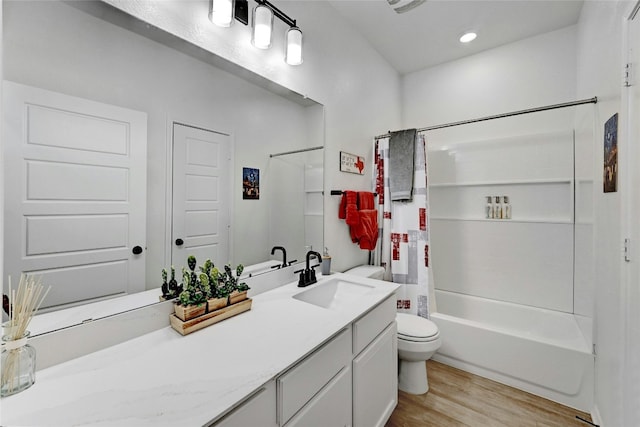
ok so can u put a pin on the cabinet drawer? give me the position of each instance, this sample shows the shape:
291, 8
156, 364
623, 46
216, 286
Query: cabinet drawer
258, 410
330, 407
372, 323
302, 382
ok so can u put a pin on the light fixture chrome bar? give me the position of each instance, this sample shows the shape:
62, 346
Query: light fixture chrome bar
278, 13
593, 100
302, 150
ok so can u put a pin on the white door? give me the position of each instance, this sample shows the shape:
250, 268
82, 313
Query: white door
201, 195
75, 194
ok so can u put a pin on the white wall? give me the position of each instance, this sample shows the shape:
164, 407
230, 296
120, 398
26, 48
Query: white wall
93, 59
359, 89
600, 58
533, 72
530, 73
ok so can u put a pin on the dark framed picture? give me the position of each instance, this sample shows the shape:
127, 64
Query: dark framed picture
610, 167
250, 183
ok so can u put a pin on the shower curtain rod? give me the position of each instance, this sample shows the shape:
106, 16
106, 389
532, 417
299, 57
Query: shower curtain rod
593, 100
296, 151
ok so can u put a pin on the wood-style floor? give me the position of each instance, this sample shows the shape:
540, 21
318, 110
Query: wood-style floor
458, 398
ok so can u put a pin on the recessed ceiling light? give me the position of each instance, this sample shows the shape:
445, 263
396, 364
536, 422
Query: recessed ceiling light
467, 37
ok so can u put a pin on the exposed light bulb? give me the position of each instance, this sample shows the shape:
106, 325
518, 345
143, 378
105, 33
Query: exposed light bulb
262, 27
221, 12
467, 37
293, 55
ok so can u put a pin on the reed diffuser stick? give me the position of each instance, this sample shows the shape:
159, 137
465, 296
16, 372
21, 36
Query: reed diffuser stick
23, 305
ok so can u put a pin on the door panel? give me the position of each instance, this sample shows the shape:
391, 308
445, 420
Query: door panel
201, 195
75, 196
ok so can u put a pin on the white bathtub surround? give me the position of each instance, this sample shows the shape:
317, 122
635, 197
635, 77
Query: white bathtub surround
158, 378
537, 350
403, 244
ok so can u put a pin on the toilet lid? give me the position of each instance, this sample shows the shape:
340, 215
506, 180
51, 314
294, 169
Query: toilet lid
415, 327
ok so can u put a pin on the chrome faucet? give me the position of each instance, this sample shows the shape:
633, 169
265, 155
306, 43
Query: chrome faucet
284, 254
308, 275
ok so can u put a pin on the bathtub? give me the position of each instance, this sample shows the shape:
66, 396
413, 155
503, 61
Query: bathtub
540, 351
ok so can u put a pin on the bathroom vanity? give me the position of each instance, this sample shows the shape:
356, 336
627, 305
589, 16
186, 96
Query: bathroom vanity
322, 355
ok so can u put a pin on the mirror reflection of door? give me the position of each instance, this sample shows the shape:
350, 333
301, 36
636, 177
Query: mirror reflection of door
75, 194
201, 195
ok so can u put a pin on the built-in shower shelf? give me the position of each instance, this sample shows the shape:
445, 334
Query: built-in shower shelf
511, 182
524, 220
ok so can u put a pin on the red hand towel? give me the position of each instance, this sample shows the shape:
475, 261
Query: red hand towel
367, 229
351, 217
366, 200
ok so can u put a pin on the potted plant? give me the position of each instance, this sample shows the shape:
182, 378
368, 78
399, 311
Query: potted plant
237, 291
192, 300
215, 298
170, 289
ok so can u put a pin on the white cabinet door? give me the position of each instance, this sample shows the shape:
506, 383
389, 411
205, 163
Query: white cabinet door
75, 193
257, 411
331, 407
201, 195
375, 380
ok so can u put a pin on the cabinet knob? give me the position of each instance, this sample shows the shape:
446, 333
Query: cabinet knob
179, 242
137, 250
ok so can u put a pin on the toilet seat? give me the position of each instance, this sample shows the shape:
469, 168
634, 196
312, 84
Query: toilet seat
415, 328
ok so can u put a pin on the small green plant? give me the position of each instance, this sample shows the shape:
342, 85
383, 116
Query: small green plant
209, 283
196, 286
229, 280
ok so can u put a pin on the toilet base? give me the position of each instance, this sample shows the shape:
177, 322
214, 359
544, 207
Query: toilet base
412, 377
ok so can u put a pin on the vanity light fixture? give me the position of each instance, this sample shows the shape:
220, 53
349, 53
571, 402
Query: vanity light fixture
221, 12
262, 27
293, 54
468, 37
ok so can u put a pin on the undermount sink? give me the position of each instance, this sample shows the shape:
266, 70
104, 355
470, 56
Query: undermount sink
333, 294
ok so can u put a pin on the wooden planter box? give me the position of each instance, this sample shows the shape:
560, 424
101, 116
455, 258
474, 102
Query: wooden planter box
214, 304
200, 322
236, 297
190, 311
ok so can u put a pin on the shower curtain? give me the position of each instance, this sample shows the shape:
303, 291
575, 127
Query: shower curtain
403, 242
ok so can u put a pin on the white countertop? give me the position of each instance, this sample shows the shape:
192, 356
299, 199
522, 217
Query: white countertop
163, 378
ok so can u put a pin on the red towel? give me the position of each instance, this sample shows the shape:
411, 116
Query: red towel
367, 229
359, 212
348, 209
366, 200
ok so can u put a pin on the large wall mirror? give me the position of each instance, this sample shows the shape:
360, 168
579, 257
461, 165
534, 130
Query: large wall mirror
180, 102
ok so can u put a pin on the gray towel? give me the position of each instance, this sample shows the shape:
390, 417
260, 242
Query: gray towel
401, 161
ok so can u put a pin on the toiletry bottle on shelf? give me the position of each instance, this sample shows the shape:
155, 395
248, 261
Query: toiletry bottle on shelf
489, 209
506, 210
497, 210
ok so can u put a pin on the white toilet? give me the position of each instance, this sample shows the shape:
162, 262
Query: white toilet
418, 340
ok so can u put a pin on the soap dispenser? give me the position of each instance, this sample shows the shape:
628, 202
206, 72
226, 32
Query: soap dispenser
326, 262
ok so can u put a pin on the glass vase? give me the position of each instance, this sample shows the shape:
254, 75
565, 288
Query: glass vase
18, 365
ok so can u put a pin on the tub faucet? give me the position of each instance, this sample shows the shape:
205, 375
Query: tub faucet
308, 275
284, 254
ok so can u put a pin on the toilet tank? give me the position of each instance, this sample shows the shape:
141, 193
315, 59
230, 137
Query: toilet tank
369, 271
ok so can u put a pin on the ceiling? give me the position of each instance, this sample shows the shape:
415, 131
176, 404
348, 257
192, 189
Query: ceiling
428, 34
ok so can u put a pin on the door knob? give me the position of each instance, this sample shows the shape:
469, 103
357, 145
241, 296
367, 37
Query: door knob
179, 242
137, 250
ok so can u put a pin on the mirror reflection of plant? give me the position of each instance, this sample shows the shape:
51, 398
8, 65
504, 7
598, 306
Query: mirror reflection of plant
170, 289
